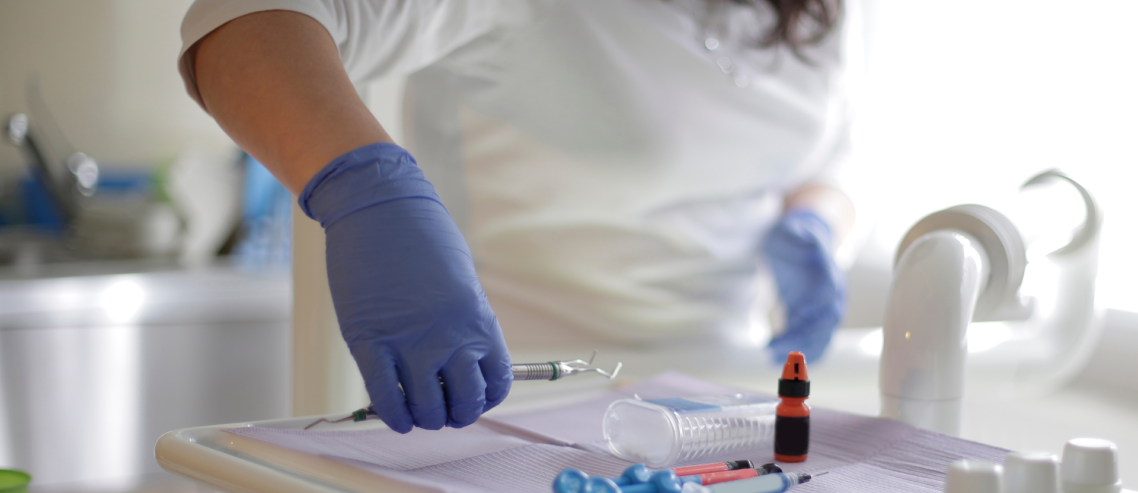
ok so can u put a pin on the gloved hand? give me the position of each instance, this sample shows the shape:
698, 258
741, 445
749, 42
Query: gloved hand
810, 284
403, 283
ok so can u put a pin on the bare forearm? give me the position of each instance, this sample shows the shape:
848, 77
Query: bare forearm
274, 82
831, 204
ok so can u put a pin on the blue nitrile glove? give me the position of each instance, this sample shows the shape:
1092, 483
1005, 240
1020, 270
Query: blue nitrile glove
409, 303
809, 283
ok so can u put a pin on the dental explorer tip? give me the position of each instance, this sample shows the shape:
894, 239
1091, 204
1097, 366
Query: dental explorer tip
616, 370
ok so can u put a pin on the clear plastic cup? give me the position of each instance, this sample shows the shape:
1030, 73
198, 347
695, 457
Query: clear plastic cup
661, 432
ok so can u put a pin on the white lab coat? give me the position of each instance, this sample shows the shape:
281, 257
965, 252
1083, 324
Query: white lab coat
613, 175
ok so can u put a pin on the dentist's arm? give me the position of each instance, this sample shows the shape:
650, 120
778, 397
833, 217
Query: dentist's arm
831, 204
403, 283
274, 82
800, 252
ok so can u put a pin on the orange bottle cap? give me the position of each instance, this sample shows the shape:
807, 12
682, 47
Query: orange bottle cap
795, 368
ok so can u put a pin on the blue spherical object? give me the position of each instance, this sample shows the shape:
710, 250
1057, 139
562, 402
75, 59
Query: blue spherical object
571, 481
666, 481
635, 474
601, 485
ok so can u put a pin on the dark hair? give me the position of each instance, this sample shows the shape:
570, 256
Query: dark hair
800, 22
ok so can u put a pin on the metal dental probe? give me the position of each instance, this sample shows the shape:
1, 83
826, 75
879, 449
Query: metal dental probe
553, 370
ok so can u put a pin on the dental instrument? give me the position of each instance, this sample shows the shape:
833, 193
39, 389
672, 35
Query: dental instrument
715, 472
661, 432
711, 473
666, 481
710, 478
640, 473
770, 483
716, 467
792, 416
553, 370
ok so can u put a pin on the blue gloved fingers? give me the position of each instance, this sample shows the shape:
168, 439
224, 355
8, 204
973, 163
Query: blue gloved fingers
812, 319
811, 322
809, 284
811, 335
495, 366
797, 250
403, 281
382, 381
424, 397
465, 388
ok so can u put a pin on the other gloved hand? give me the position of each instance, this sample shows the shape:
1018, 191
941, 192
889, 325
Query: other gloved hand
403, 283
809, 283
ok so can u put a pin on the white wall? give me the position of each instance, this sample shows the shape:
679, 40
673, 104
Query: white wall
108, 72
967, 99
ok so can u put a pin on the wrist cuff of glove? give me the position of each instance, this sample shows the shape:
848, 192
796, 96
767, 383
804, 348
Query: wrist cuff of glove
809, 221
362, 178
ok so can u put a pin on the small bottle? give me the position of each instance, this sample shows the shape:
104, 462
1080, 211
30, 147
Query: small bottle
660, 432
792, 421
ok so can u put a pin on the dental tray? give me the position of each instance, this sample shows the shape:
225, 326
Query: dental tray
524, 451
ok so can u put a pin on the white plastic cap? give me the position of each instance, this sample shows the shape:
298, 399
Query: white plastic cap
1031, 472
1090, 465
973, 476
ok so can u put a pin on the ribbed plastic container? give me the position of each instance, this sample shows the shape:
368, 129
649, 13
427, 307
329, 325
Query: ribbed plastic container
661, 432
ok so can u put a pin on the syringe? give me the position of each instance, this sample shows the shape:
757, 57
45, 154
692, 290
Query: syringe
769, 483
665, 481
553, 370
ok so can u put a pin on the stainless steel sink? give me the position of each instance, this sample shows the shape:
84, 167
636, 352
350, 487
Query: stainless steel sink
93, 369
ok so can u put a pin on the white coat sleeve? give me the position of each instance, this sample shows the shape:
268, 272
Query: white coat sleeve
375, 38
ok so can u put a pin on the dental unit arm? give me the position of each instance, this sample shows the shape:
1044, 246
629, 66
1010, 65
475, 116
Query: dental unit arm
965, 264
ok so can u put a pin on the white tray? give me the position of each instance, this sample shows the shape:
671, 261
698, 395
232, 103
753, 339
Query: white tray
236, 464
